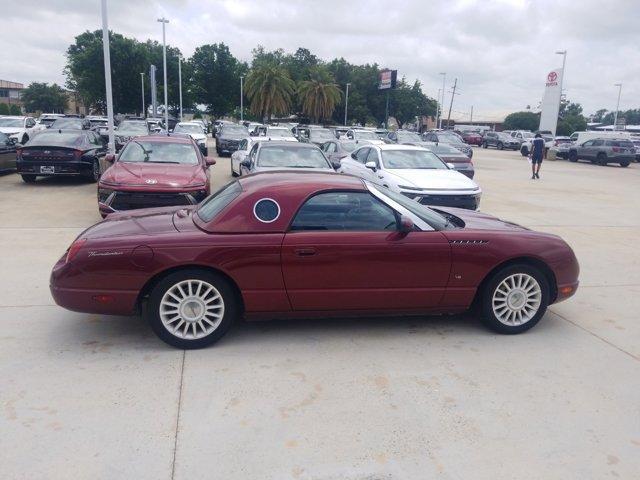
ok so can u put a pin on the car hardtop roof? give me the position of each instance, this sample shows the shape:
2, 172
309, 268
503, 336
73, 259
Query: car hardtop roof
14, 116
397, 146
191, 122
302, 182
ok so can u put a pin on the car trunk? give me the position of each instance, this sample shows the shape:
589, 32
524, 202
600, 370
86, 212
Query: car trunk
44, 154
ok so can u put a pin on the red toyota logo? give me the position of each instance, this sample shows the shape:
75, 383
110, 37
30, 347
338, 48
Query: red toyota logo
552, 77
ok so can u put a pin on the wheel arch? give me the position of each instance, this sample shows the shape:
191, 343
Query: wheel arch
145, 291
522, 260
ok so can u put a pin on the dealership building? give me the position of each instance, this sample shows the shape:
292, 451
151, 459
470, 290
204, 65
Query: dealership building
11, 92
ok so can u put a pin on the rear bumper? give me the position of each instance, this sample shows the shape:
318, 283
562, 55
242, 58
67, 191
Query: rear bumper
60, 168
566, 290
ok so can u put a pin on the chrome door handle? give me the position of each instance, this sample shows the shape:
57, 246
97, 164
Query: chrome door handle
305, 252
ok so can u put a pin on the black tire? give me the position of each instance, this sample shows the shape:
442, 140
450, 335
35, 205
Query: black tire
219, 283
524, 151
624, 164
484, 145
601, 159
489, 317
500, 146
28, 178
233, 174
573, 156
93, 175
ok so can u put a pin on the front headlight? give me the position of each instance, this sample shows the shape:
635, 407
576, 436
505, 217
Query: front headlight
103, 194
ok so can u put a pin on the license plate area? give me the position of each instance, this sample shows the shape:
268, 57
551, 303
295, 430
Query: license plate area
47, 169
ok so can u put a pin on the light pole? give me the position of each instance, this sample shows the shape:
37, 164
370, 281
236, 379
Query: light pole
180, 82
438, 106
164, 68
346, 104
107, 75
144, 114
615, 120
444, 77
241, 99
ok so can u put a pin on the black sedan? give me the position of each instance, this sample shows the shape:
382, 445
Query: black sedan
61, 152
7, 153
229, 137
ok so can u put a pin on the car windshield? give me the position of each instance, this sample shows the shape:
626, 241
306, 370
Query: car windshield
234, 129
320, 134
291, 157
449, 138
158, 152
445, 150
137, 127
180, 128
411, 159
217, 201
73, 123
11, 122
408, 137
425, 213
56, 139
3, 138
365, 135
528, 135
279, 132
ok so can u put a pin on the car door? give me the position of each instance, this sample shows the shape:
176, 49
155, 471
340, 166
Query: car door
7, 153
350, 164
252, 161
343, 252
585, 151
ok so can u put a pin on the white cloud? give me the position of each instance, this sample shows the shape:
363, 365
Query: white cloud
500, 51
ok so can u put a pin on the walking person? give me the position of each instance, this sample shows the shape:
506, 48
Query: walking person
536, 155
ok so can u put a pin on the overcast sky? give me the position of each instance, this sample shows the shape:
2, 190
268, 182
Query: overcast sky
500, 50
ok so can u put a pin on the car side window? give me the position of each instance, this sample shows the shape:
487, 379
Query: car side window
330, 147
362, 154
588, 143
598, 143
373, 157
344, 211
243, 145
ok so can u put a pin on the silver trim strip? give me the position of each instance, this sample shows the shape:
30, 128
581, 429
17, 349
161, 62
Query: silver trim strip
421, 224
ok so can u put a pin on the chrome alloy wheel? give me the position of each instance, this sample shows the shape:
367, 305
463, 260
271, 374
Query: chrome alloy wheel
191, 309
516, 299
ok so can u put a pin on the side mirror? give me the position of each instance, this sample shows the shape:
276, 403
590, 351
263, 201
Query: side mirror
110, 157
405, 225
353, 155
371, 165
209, 161
451, 166
336, 164
245, 163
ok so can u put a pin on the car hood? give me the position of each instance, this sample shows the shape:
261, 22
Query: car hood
434, 179
11, 130
198, 136
168, 175
146, 221
480, 221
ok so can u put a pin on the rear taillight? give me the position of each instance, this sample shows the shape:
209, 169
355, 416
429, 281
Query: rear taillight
75, 248
77, 154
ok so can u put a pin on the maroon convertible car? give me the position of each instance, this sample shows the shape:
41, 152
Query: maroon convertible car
304, 244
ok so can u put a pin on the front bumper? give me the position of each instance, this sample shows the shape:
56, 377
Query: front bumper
457, 200
67, 167
120, 200
227, 146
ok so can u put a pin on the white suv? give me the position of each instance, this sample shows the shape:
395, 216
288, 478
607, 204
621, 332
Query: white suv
20, 128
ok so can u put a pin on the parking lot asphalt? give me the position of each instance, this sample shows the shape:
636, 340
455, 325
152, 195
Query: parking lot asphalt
86, 396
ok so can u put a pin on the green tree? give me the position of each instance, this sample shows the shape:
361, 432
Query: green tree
14, 109
408, 102
522, 121
599, 115
216, 78
4, 109
270, 90
44, 98
319, 95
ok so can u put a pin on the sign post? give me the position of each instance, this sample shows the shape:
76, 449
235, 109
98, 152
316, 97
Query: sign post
388, 80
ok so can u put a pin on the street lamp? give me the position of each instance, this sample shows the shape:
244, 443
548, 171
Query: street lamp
444, 76
164, 67
180, 82
615, 120
144, 114
241, 99
107, 75
346, 104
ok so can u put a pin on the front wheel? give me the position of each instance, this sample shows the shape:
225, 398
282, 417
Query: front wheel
573, 156
500, 146
192, 308
602, 159
524, 151
94, 174
484, 145
624, 164
515, 299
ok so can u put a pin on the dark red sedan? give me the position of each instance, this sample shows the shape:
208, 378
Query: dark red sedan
154, 171
305, 244
471, 138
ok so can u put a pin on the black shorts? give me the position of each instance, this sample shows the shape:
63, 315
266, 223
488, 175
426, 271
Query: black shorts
536, 159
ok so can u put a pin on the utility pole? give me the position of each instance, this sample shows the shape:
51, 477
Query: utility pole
453, 94
164, 21
444, 76
386, 112
107, 75
471, 120
180, 82
438, 107
144, 114
241, 99
346, 104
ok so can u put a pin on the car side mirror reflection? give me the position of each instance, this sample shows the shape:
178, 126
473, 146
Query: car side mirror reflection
209, 161
336, 164
371, 165
110, 157
405, 225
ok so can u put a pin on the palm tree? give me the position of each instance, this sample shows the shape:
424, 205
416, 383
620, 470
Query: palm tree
319, 95
270, 89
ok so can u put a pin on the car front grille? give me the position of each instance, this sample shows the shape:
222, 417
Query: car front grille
133, 200
460, 201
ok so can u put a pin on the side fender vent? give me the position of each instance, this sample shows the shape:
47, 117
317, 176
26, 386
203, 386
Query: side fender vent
468, 242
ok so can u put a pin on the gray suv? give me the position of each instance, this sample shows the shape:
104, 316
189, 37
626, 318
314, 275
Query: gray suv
500, 140
603, 151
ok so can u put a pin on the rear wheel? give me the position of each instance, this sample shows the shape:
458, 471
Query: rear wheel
515, 299
602, 159
192, 308
484, 145
624, 164
573, 156
28, 178
500, 146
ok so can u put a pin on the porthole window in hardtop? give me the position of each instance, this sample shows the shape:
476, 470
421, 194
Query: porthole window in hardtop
266, 210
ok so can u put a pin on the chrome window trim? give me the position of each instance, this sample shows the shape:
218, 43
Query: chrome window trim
417, 221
